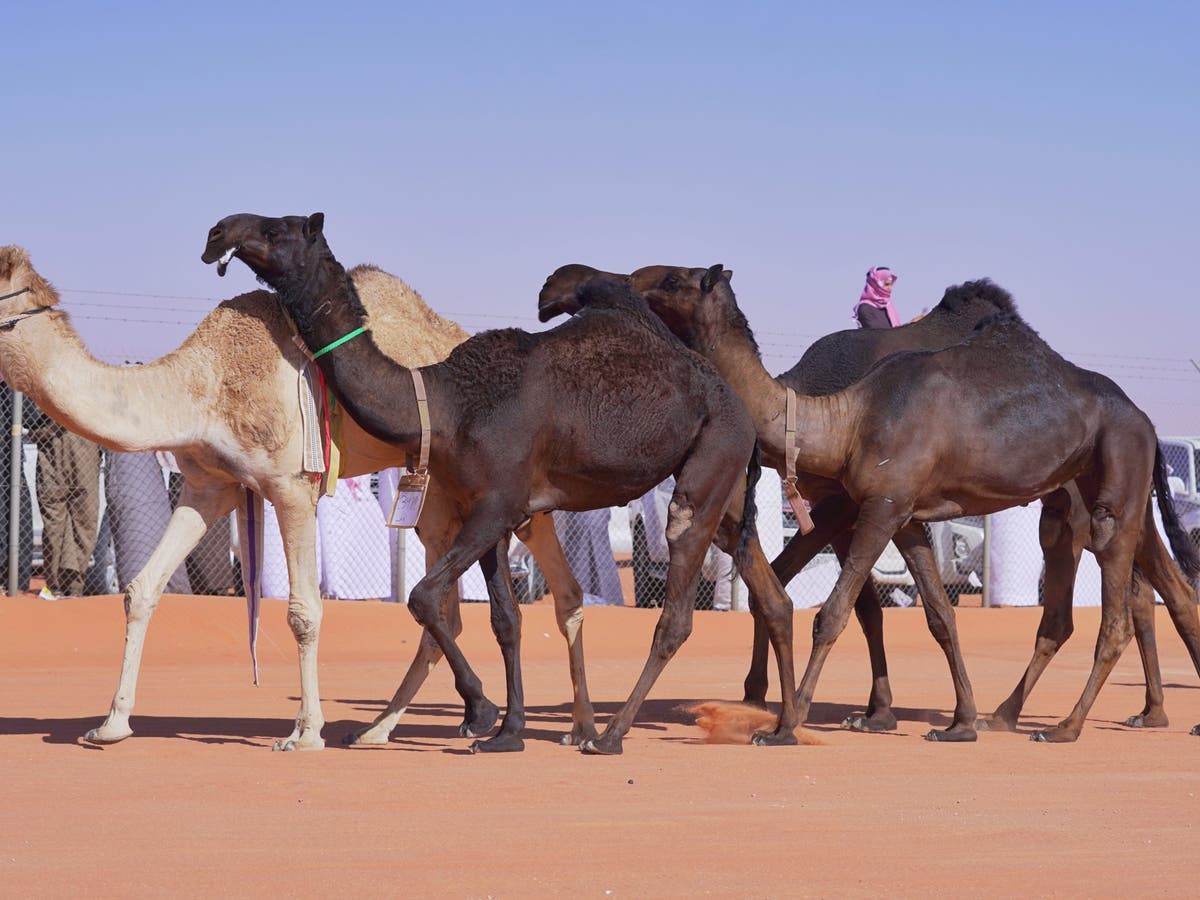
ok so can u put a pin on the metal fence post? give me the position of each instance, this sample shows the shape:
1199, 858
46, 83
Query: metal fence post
738, 601
14, 494
987, 561
400, 585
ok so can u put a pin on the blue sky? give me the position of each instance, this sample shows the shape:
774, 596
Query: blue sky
473, 148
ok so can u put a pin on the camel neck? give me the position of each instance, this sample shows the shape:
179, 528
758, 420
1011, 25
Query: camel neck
376, 390
126, 408
821, 447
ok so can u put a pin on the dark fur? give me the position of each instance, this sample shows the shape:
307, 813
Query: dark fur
590, 414
838, 360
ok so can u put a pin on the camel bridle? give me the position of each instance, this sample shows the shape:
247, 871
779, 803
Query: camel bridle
9, 323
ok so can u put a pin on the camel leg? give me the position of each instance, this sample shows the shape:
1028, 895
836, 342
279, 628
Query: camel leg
877, 522
295, 509
913, 543
798, 552
1180, 598
482, 529
694, 513
832, 519
440, 524
542, 541
1141, 607
506, 626
198, 508
1062, 532
772, 611
1114, 539
869, 612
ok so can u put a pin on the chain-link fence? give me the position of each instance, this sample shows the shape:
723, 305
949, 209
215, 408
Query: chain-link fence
89, 522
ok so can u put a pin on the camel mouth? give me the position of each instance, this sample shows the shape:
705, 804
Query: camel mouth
223, 262
548, 309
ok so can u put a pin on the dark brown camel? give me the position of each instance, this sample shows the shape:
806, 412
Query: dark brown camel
592, 413
894, 441
838, 360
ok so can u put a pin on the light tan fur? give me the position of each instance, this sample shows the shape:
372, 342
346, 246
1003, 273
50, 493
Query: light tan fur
224, 402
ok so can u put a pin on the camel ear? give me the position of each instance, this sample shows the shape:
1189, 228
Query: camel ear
711, 276
728, 276
314, 225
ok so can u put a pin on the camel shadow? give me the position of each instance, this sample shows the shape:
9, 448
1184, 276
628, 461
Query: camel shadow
550, 722
253, 732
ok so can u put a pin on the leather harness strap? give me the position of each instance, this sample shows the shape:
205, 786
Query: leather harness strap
803, 520
423, 412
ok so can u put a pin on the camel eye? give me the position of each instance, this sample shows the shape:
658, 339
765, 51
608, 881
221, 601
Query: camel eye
670, 284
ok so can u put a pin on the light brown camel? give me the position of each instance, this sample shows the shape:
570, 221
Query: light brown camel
895, 442
592, 413
225, 403
833, 363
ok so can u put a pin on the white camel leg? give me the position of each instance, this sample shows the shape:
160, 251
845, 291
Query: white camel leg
296, 511
191, 519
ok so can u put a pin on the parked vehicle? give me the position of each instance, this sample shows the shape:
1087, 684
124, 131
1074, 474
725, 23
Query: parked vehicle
1182, 455
957, 549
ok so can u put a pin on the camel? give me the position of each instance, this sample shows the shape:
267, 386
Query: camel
225, 403
833, 363
592, 413
892, 441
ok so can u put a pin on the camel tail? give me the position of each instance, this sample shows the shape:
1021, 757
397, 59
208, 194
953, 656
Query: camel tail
747, 529
1181, 545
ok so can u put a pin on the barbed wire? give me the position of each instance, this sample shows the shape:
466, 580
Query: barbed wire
1126, 365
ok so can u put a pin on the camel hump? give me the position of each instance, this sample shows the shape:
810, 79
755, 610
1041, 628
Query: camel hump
983, 292
404, 325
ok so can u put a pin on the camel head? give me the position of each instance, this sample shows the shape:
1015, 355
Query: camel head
22, 288
694, 303
559, 294
274, 249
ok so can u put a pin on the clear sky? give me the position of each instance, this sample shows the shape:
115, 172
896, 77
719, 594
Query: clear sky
473, 148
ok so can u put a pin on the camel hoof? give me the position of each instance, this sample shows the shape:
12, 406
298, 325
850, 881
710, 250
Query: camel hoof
98, 736
481, 722
599, 747
287, 745
953, 735
578, 738
1053, 736
501, 743
1142, 720
368, 737
774, 739
995, 722
869, 724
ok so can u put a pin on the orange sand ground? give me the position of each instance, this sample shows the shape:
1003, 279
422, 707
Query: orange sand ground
196, 804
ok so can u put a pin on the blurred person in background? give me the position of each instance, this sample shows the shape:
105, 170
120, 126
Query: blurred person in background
67, 484
209, 565
588, 551
138, 511
874, 308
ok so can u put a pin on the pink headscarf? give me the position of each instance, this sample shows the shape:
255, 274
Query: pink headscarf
878, 293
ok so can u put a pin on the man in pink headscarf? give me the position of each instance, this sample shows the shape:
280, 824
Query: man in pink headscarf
874, 308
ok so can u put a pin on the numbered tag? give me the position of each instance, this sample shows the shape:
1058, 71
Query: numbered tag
803, 519
410, 498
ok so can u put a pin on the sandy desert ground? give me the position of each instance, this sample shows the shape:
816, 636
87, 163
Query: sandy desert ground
195, 803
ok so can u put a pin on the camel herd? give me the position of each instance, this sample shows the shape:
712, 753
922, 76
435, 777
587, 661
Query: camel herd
967, 411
